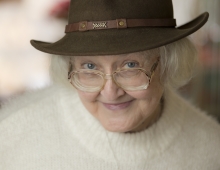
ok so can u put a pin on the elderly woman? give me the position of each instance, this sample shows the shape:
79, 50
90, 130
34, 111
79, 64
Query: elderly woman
113, 104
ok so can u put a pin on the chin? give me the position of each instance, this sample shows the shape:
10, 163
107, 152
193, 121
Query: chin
117, 127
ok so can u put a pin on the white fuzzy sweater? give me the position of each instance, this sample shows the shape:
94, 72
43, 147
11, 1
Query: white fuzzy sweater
51, 130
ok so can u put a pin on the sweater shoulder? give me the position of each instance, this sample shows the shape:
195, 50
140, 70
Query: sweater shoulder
198, 120
42, 101
193, 117
200, 132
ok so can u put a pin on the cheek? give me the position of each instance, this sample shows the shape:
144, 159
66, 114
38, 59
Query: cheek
153, 92
148, 100
89, 101
87, 97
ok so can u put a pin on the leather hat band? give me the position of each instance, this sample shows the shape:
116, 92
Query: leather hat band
119, 23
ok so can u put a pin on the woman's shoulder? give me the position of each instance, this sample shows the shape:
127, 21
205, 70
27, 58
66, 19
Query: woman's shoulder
191, 116
34, 112
200, 132
197, 139
36, 101
188, 111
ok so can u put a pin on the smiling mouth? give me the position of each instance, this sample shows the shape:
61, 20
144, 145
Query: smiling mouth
118, 106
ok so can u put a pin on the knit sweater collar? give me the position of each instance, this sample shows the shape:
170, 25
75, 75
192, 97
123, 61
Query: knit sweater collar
128, 146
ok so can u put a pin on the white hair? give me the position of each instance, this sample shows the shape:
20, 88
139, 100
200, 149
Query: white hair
178, 62
59, 70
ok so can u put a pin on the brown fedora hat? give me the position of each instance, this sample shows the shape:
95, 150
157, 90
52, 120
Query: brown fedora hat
105, 27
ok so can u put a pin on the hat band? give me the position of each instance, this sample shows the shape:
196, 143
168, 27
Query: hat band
119, 23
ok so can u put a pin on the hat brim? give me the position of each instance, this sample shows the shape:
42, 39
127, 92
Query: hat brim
118, 41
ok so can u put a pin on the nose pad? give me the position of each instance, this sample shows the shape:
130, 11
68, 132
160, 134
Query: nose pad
111, 90
108, 76
109, 79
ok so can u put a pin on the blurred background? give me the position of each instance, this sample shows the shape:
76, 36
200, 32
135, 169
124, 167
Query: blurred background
22, 68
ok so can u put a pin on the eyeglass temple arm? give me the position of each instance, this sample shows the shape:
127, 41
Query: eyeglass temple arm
154, 67
69, 70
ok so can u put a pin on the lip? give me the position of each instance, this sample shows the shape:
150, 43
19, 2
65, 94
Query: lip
117, 106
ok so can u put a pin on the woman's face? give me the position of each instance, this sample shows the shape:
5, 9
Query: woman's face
116, 109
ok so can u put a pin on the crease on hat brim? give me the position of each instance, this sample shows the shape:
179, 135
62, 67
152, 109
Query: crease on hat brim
185, 30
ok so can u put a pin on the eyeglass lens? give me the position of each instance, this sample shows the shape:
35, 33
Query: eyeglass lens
127, 79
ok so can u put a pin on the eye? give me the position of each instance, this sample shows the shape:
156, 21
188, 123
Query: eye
131, 65
89, 66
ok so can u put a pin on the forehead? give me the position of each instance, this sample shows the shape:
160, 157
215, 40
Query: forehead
139, 56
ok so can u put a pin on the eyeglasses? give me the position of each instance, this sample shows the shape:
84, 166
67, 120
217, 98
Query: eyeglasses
131, 79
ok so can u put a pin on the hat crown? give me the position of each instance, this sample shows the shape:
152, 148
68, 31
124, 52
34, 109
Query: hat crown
101, 10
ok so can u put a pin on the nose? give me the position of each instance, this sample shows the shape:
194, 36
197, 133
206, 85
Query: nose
111, 91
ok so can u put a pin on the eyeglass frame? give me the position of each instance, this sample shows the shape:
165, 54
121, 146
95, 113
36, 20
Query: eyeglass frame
104, 76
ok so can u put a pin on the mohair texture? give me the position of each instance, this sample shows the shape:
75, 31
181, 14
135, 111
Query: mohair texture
119, 41
51, 130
